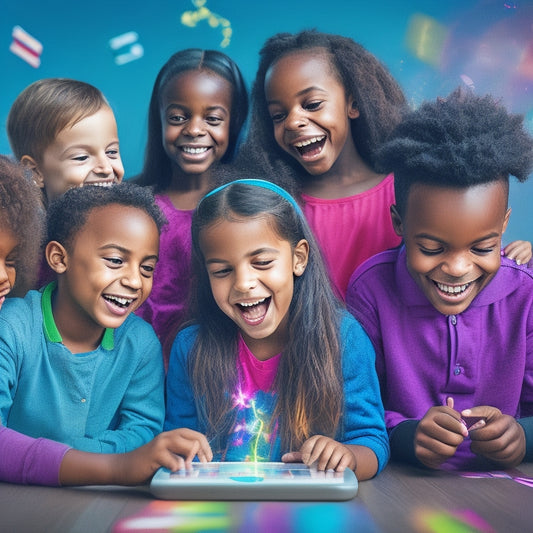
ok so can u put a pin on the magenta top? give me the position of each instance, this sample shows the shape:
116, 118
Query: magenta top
350, 230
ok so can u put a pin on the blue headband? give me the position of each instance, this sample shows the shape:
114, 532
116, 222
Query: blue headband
265, 185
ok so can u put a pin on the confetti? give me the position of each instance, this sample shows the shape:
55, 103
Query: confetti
26, 47
426, 38
191, 19
126, 47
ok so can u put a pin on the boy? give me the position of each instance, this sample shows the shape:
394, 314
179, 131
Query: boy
450, 319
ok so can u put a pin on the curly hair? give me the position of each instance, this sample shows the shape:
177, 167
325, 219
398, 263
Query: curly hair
22, 214
157, 171
377, 95
459, 141
68, 214
45, 108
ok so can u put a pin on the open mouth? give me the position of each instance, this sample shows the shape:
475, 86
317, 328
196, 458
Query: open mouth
310, 147
192, 150
452, 290
117, 301
254, 313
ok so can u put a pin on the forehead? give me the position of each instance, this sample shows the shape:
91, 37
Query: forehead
198, 84
305, 66
239, 235
447, 209
118, 224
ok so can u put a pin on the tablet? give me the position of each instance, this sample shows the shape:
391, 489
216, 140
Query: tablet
253, 481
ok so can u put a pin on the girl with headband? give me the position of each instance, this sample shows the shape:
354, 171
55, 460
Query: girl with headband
272, 368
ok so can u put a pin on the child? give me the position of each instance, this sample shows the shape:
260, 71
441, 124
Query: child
322, 105
24, 459
450, 319
65, 132
198, 106
274, 368
21, 225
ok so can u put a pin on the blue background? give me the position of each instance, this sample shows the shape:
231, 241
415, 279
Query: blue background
431, 47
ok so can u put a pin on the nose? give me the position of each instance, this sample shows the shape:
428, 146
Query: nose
194, 127
132, 277
295, 119
457, 265
103, 166
245, 279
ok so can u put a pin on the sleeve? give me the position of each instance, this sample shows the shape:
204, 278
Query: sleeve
181, 407
364, 422
26, 460
142, 409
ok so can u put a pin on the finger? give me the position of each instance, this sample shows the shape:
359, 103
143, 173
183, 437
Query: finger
292, 457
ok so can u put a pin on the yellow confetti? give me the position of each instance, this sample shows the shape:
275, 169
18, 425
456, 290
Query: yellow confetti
191, 19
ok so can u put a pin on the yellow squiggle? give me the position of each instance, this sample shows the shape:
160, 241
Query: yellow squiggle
191, 19
259, 432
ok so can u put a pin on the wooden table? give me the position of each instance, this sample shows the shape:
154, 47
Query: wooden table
399, 499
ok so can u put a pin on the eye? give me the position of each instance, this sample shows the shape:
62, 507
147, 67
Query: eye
220, 272
430, 251
80, 158
114, 262
263, 264
176, 118
213, 120
482, 251
147, 270
278, 117
112, 153
313, 106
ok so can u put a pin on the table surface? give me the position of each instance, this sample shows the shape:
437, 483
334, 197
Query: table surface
401, 498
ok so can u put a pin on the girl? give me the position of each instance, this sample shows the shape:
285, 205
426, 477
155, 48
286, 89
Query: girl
21, 224
51, 366
198, 106
274, 368
322, 104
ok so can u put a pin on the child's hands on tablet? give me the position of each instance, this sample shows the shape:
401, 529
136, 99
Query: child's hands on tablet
325, 452
438, 435
500, 439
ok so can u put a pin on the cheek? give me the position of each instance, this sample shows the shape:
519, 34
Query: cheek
421, 264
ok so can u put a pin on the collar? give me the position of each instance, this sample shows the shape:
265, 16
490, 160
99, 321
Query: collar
50, 329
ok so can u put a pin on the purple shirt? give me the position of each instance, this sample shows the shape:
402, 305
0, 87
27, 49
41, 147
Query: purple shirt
482, 356
167, 304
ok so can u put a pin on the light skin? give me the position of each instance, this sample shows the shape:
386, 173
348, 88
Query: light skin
84, 153
8, 260
195, 112
311, 116
453, 240
251, 272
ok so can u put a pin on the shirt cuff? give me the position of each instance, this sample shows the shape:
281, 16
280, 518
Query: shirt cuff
527, 426
402, 443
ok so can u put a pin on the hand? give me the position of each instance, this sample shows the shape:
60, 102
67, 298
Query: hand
438, 435
501, 439
326, 452
172, 449
518, 251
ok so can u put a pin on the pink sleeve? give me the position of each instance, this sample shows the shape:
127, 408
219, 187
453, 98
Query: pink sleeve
26, 460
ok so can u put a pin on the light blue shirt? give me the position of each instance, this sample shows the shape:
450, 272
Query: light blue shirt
110, 400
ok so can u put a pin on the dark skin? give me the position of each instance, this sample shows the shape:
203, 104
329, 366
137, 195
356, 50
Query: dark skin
453, 240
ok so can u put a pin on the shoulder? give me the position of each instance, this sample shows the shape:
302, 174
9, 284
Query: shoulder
136, 328
352, 332
22, 310
184, 340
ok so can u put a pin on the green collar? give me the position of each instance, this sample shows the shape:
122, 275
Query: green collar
49, 325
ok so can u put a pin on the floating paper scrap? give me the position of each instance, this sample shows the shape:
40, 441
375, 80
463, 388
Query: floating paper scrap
26, 47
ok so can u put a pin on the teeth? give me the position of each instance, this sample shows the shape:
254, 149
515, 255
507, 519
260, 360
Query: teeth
452, 289
251, 304
309, 141
102, 184
119, 300
190, 150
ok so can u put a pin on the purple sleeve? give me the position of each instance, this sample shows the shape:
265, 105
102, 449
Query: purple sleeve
29, 461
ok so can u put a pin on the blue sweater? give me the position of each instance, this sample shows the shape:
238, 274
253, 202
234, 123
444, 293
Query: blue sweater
110, 400
363, 417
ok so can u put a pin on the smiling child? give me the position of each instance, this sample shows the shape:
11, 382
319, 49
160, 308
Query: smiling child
451, 320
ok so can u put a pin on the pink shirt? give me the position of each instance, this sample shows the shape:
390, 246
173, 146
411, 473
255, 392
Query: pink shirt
350, 230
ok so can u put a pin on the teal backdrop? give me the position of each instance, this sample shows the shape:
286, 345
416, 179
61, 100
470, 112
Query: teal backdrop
431, 47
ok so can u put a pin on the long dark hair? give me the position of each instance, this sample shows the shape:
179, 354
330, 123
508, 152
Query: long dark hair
157, 166
309, 378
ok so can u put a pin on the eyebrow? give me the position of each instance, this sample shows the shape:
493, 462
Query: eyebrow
210, 108
433, 238
125, 251
251, 254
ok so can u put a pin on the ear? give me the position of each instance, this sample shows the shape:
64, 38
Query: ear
506, 219
300, 257
57, 257
30, 164
396, 221
353, 110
